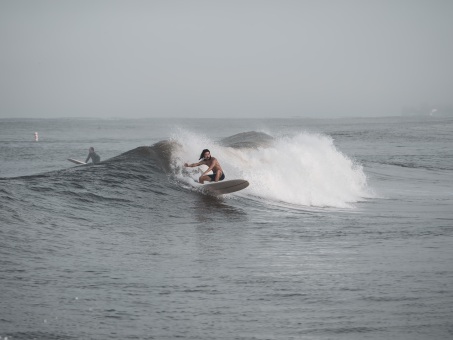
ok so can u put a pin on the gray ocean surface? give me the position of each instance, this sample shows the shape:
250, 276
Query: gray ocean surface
345, 232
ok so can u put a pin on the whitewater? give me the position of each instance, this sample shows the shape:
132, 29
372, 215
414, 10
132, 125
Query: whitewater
305, 169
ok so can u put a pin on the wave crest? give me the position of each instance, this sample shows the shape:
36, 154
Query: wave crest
305, 169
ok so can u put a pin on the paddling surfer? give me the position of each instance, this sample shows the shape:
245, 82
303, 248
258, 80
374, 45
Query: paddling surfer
212, 164
95, 158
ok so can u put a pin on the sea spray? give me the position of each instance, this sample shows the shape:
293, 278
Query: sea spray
304, 169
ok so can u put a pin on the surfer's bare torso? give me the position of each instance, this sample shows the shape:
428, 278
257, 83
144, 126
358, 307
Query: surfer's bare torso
213, 165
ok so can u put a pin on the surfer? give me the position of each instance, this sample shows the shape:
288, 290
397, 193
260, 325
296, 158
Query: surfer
95, 158
212, 164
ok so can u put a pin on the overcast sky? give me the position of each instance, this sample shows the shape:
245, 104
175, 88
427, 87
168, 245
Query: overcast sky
235, 58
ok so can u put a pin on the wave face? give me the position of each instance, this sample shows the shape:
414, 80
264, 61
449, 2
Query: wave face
305, 169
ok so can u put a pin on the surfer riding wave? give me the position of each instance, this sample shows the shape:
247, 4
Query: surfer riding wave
212, 164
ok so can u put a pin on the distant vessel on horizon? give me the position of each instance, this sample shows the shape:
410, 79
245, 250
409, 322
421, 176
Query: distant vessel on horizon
427, 110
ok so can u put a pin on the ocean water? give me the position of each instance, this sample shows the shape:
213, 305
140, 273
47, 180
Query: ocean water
345, 232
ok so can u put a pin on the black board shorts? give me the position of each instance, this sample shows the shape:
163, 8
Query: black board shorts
220, 179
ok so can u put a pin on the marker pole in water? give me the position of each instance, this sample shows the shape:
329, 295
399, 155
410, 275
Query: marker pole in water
36, 137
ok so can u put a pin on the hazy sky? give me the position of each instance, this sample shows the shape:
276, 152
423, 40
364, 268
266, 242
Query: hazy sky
235, 58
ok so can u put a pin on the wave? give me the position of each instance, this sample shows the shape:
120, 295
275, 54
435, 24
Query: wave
305, 169
251, 139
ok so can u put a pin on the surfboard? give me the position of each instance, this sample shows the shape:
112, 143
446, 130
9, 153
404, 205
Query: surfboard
76, 161
225, 187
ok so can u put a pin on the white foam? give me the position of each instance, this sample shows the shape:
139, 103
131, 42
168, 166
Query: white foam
305, 169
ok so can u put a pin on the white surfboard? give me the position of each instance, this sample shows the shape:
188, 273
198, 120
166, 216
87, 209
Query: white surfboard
225, 187
76, 161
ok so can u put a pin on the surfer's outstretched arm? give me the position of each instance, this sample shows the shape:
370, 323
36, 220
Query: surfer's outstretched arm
193, 164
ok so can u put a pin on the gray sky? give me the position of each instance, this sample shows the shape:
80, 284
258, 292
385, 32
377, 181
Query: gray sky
236, 58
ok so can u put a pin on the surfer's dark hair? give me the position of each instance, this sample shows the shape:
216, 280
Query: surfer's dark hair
203, 152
